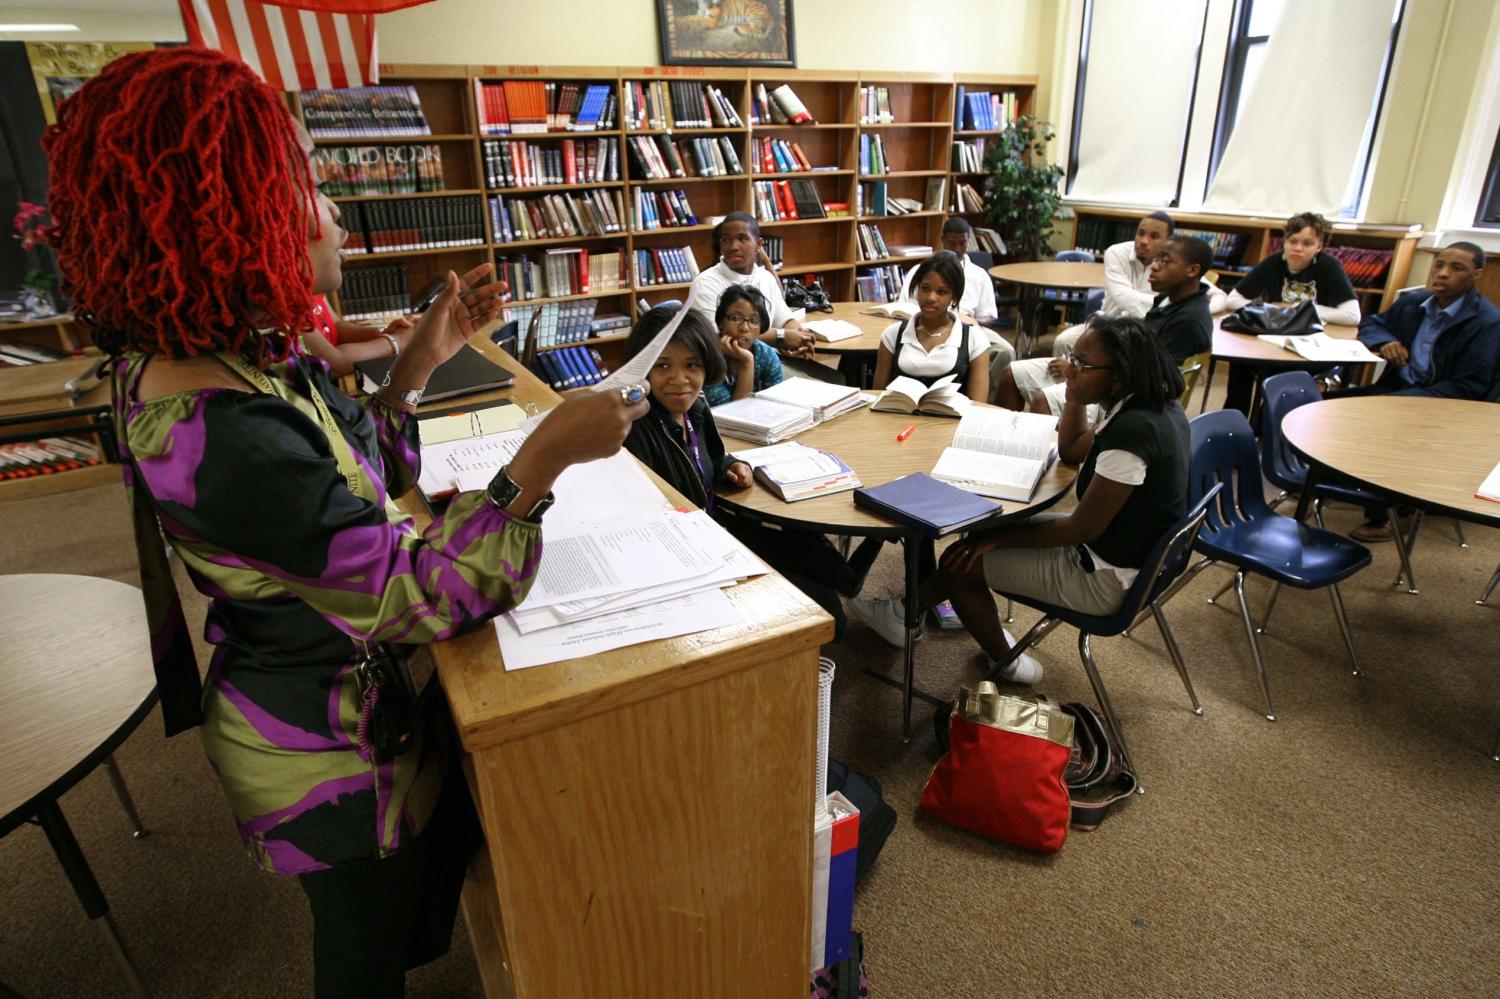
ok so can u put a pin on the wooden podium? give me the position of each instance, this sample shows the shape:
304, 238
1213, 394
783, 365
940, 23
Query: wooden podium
647, 812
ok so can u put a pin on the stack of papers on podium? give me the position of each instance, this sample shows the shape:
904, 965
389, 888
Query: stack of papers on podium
825, 399
764, 421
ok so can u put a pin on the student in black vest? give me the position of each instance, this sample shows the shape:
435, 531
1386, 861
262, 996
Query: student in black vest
934, 343
680, 442
1131, 489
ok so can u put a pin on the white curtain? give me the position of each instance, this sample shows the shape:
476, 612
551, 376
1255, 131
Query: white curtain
1298, 135
1135, 99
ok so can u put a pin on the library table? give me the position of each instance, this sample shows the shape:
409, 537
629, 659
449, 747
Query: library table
1247, 348
1033, 276
866, 441
856, 354
645, 810
75, 681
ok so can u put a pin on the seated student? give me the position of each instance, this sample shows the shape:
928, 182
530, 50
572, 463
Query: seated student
1301, 272
1131, 489
1444, 343
935, 342
1179, 316
978, 300
737, 245
680, 442
750, 363
341, 342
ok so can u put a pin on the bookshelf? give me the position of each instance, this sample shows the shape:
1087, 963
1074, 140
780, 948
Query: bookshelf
1242, 241
916, 132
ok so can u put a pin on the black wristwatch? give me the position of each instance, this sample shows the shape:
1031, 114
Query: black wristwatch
503, 492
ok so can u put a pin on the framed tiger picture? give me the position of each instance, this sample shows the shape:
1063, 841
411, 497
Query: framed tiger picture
726, 32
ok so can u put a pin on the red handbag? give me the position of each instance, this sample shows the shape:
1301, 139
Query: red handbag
1003, 773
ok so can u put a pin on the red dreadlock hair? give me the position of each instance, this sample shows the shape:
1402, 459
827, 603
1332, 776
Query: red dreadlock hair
177, 190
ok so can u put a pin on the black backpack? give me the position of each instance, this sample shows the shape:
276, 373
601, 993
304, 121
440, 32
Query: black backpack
876, 818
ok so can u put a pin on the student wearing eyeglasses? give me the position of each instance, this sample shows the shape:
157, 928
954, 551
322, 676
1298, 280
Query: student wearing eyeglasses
750, 364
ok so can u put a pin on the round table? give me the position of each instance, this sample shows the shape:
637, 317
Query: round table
1036, 275
1247, 348
75, 680
866, 441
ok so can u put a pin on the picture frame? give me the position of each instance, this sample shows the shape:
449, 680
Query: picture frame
726, 32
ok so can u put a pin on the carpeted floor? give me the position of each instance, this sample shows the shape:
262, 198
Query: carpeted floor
1346, 850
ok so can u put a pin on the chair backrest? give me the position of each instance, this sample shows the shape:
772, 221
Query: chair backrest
1162, 566
504, 336
1192, 367
1074, 256
982, 258
1092, 302
1282, 394
1224, 452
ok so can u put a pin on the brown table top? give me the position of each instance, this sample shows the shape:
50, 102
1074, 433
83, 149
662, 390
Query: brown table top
852, 312
75, 680
866, 441
1248, 347
1434, 452
490, 705
33, 388
1051, 274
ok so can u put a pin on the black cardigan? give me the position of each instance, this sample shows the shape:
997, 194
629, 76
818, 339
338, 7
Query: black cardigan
660, 443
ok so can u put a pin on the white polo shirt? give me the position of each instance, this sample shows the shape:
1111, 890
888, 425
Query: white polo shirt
923, 362
979, 292
703, 296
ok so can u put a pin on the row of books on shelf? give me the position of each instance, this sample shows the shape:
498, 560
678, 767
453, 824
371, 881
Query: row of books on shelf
595, 212
403, 169
968, 155
879, 284
872, 245
413, 224
522, 107
874, 198
380, 291
1100, 234
46, 456
1366, 267
664, 265
570, 367
966, 198
875, 105
660, 158
872, 155
778, 106
984, 240
660, 209
561, 271
564, 322
1228, 247
16, 354
678, 104
572, 161
983, 110
355, 111
785, 200
783, 156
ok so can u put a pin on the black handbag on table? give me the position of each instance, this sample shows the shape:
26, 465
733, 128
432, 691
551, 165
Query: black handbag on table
1258, 318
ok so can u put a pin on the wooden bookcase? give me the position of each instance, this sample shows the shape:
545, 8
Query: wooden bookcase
1097, 226
918, 147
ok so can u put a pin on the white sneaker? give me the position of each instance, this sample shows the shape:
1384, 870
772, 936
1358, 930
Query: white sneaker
1024, 669
886, 616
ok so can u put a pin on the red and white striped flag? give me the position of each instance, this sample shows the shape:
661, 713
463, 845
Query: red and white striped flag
290, 49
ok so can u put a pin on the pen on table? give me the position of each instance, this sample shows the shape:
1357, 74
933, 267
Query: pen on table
910, 429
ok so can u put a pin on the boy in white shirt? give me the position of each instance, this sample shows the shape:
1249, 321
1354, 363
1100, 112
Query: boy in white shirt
737, 240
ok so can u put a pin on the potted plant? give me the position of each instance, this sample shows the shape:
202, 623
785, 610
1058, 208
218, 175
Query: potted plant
39, 287
1021, 196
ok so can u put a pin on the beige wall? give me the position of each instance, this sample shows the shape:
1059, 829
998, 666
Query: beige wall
158, 22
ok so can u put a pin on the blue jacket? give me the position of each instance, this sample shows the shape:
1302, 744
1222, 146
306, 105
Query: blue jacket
1465, 359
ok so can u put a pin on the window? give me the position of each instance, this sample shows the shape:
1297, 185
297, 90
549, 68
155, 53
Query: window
1254, 20
1488, 215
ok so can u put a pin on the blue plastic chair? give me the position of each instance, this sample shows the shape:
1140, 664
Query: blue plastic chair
1161, 568
1241, 530
1093, 301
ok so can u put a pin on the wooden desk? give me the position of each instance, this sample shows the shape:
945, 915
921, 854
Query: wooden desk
1247, 348
1033, 277
868, 342
866, 441
75, 681
646, 810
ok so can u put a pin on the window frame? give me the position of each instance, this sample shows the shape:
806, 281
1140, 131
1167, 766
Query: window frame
1490, 192
1236, 55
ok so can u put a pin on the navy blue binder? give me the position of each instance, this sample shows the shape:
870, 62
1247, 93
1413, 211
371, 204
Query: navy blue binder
935, 508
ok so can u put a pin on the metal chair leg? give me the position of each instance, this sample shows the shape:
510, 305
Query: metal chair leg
1009, 607
1458, 528
122, 792
1270, 606
1187, 577
1343, 616
1176, 654
1223, 589
1278, 499
1260, 664
1318, 514
1403, 550
1494, 580
1110, 719
1495, 753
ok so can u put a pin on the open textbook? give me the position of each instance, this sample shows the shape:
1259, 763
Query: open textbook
832, 330
998, 452
944, 397
1322, 347
794, 471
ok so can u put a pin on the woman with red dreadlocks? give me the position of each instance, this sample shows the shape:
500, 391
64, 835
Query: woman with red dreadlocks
193, 239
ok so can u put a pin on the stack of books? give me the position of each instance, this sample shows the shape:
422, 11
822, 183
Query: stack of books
966, 198
782, 200
879, 284
571, 161
875, 106
521, 107
983, 111
968, 155
871, 243
782, 156
796, 472
872, 159
779, 106
762, 421
47, 456
404, 169
824, 399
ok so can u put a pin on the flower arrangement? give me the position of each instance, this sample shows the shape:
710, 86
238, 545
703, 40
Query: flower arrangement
39, 287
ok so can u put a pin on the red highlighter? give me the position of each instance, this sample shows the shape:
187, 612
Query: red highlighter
910, 429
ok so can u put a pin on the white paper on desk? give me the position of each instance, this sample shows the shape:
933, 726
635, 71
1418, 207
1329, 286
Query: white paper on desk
592, 492
608, 558
444, 463
1490, 488
668, 619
